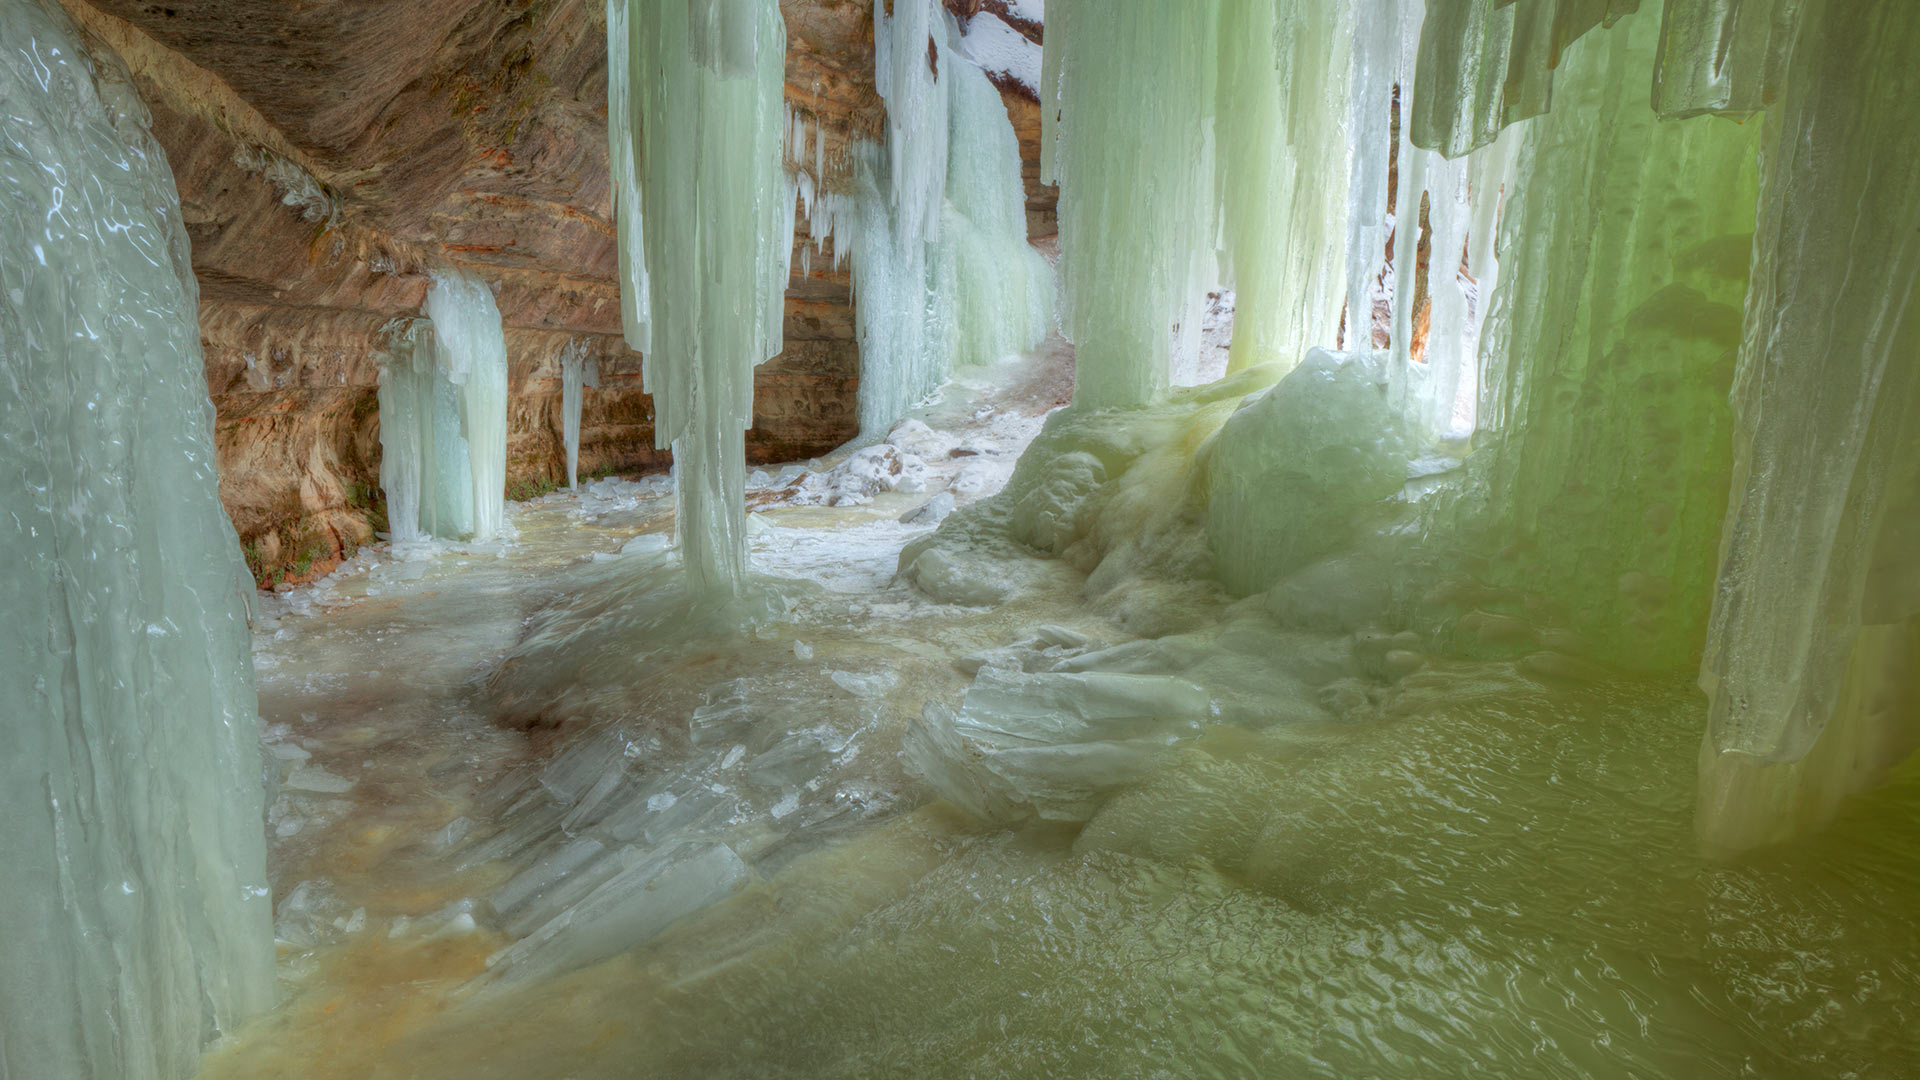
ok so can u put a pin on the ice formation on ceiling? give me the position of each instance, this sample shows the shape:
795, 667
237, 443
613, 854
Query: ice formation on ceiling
698, 126
134, 892
1558, 259
443, 417
934, 225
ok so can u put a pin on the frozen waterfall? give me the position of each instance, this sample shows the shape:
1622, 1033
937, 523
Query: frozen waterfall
134, 891
443, 417
697, 119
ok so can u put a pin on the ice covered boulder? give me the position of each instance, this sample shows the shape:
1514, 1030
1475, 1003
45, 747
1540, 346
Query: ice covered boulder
1295, 474
1053, 744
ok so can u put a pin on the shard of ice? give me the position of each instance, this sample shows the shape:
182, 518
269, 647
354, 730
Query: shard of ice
134, 890
703, 108
1051, 744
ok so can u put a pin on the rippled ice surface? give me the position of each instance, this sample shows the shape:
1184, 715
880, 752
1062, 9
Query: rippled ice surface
1479, 875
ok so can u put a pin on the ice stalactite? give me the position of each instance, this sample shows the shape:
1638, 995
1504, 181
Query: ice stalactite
1813, 663
577, 372
934, 224
409, 456
443, 417
636, 298
1283, 164
1127, 96
134, 892
703, 120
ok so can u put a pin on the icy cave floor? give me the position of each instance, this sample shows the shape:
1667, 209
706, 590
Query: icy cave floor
1478, 874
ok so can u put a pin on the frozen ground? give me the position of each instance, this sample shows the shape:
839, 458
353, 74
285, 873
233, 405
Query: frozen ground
708, 846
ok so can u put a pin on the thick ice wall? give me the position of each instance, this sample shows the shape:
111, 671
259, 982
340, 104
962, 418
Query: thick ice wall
134, 894
1812, 656
704, 110
1607, 357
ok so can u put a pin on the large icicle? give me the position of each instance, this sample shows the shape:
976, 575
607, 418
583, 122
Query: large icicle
1722, 56
577, 372
133, 894
1126, 99
997, 291
636, 303
408, 457
443, 417
705, 87
1284, 161
1815, 643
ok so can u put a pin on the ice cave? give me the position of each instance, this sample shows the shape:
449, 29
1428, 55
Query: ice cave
582, 539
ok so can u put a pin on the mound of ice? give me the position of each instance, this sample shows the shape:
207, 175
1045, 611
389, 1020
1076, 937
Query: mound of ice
1295, 472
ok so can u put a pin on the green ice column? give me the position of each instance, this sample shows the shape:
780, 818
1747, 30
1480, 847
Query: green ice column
1284, 156
704, 97
1127, 93
134, 916
1815, 639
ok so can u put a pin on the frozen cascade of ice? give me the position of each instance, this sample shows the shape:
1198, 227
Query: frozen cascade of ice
443, 417
1127, 98
470, 351
134, 891
577, 372
935, 225
701, 104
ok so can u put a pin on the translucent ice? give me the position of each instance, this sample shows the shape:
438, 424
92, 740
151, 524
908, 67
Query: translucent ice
577, 372
443, 417
134, 892
1050, 744
700, 102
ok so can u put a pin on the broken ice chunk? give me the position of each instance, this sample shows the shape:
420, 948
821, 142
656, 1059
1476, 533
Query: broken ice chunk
650, 892
314, 778
1052, 744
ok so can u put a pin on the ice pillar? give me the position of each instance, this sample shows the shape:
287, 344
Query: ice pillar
133, 894
704, 94
1127, 97
443, 417
577, 372
470, 351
